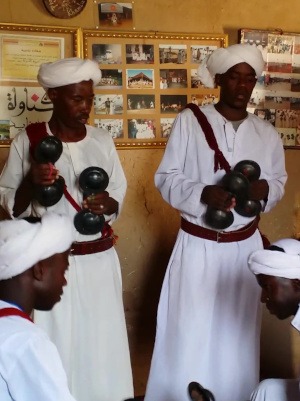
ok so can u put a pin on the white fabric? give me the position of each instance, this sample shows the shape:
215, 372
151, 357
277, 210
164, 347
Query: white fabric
23, 244
296, 320
277, 390
68, 71
30, 367
276, 263
222, 59
208, 323
88, 325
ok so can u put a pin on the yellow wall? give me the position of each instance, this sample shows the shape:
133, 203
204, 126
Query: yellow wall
148, 226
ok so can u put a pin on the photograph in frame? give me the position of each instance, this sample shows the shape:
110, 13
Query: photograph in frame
276, 96
114, 16
148, 109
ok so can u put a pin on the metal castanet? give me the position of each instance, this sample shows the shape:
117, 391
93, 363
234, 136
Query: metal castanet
92, 180
218, 219
48, 151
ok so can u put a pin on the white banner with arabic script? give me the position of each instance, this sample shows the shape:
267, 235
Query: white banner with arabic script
20, 106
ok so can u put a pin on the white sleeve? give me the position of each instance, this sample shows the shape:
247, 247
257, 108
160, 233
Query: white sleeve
37, 373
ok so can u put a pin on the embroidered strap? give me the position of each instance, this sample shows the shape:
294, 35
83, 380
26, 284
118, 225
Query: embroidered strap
220, 161
14, 312
36, 132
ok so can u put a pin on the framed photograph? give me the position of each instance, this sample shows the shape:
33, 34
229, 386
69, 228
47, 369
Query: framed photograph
147, 79
113, 16
23, 48
276, 96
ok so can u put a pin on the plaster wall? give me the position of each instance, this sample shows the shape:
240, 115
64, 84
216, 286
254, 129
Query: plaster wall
147, 227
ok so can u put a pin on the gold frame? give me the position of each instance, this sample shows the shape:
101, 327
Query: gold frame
68, 43
119, 56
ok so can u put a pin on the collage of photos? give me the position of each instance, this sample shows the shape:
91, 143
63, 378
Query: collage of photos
276, 96
146, 81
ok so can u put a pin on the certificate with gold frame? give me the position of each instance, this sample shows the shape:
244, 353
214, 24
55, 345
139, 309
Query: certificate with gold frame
147, 79
22, 49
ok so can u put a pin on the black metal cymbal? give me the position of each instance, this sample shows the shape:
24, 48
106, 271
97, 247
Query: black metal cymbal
199, 393
235, 183
49, 195
93, 180
88, 223
48, 150
248, 208
218, 219
249, 168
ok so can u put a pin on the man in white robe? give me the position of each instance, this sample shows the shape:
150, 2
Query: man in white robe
208, 323
88, 325
277, 271
33, 262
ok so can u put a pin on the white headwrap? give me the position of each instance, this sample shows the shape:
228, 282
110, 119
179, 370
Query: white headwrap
222, 59
22, 244
276, 263
68, 71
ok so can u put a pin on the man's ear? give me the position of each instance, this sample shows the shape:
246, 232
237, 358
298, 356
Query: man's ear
296, 285
218, 79
38, 271
52, 94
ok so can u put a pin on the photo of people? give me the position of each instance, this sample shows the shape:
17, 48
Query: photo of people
279, 53
140, 103
107, 53
274, 82
141, 129
166, 126
114, 127
108, 104
175, 54
276, 96
172, 103
111, 79
139, 54
195, 80
198, 53
203, 99
267, 114
115, 15
170, 79
140, 79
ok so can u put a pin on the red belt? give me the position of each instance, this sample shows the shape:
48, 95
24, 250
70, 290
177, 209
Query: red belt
220, 236
88, 247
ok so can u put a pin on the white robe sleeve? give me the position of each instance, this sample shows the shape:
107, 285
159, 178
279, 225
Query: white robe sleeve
37, 373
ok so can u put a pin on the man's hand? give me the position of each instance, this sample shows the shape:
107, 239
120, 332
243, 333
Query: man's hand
101, 203
43, 174
216, 197
258, 190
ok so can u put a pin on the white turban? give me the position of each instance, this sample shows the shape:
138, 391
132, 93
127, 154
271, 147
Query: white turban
222, 59
276, 263
68, 71
22, 244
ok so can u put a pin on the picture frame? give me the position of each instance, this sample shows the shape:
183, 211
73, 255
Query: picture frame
22, 49
114, 16
149, 78
276, 96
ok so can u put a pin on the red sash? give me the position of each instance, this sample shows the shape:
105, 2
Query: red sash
14, 312
220, 161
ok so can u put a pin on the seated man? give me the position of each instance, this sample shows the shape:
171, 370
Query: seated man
277, 271
33, 261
